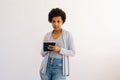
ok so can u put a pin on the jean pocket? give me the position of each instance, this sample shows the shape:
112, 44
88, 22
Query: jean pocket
59, 65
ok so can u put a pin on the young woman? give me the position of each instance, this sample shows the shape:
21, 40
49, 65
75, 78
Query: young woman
55, 65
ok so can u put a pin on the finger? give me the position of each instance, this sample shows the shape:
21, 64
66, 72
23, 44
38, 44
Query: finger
51, 48
50, 45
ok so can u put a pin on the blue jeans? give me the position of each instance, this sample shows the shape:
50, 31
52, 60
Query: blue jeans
54, 70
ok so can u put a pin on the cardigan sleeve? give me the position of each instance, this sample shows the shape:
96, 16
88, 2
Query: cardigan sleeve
44, 53
70, 49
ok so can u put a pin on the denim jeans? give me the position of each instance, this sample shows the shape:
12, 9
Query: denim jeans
54, 70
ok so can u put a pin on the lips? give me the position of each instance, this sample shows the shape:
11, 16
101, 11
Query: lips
55, 27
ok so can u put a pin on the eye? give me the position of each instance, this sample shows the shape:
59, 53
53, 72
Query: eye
58, 21
53, 21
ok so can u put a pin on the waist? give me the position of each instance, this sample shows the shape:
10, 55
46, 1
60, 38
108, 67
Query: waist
56, 55
55, 60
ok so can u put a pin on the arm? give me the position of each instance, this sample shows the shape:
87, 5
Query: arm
70, 51
44, 53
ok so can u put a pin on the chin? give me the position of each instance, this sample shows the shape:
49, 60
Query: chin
56, 29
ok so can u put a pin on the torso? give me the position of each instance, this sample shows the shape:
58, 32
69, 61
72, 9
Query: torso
56, 35
58, 39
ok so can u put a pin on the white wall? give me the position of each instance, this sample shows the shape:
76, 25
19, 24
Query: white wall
93, 23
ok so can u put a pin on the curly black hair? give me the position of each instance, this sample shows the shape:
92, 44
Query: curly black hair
56, 12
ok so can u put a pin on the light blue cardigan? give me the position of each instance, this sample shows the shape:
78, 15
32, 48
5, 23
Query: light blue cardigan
66, 51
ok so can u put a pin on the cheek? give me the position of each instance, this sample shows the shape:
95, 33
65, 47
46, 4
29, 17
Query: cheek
53, 25
60, 24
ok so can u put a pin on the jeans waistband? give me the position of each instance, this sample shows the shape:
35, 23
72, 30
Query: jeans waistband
54, 60
50, 58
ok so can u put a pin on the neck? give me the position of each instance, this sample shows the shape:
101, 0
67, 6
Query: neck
57, 31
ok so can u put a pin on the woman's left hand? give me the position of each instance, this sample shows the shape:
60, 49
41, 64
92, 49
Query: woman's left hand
54, 48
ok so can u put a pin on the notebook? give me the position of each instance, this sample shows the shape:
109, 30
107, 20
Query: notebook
46, 44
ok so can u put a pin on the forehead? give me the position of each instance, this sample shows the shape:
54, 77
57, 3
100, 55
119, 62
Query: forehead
57, 18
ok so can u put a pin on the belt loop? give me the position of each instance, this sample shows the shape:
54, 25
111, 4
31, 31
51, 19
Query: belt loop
51, 61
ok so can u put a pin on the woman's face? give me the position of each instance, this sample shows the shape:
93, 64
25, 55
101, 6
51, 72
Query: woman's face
57, 22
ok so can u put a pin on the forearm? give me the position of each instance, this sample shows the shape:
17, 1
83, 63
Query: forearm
67, 52
43, 53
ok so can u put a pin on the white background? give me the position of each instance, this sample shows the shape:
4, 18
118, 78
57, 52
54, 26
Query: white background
94, 24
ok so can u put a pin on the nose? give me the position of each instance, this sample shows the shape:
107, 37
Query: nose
55, 23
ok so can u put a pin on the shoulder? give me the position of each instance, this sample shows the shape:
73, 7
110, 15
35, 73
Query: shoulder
47, 36
48, 33
67, 33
